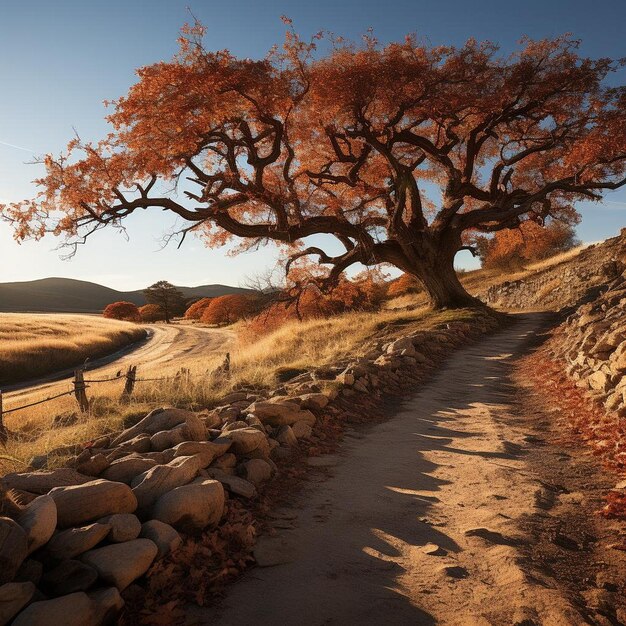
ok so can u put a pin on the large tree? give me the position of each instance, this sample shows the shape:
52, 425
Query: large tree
169, 298
349, 144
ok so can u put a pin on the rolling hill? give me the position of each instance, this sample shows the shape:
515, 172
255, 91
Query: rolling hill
66, 295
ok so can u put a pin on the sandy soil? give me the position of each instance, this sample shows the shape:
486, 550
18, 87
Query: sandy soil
433, 517
165, 350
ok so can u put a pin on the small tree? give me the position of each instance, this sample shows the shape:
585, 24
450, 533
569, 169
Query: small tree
168, 297
151, 313
126, 311
195, 311
227, 309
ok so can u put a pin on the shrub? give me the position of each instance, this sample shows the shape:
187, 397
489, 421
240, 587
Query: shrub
151, 313
122, 311
228, 309
403, 285
195, 311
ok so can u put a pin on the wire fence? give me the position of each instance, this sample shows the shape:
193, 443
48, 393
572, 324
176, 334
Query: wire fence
80, 384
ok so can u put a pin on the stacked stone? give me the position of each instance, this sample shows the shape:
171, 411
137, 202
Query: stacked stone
563, 285
592, 343
78, 536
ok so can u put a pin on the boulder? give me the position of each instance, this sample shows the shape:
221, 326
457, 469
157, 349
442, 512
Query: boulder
256, 471
75, 609
206, 451
13, 548
226, 461
191, 507
280, 410
313, 401
302, 430
93, 466
13, 598
166, 439
69, 543
164, 536
599, 381
124, 527
155, 421
39, 521
30, 572
93, 500
151, 485
245, 440
68, 577
42, 482
140, 443
234, 484
125, 469
121, 563
193, 428
107, 604
286, 437
235, 426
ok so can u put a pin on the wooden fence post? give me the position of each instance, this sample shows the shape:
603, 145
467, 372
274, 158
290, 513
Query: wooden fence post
80, 391
129, 385
3, 429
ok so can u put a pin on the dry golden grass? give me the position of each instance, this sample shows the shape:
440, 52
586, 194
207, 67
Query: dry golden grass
33, 345
258, 363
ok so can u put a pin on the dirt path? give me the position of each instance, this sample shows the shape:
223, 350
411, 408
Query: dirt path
169, 347
423, 519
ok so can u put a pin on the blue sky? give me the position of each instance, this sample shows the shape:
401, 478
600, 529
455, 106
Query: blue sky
62, 59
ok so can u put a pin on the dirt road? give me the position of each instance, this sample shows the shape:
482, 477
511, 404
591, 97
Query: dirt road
168, 348
423, 519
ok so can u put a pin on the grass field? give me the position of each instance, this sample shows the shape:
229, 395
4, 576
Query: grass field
33, 345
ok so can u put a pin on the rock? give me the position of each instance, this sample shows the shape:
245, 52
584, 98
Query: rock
155, 421
235, 426
163, 535
166, 439
13, 548
107, 604
345, 378
234, 484
68, 577
207, 451
13, 598
30, 572
94, 466
75, 609
74, 541
125, 469
257, 471
191, 507
39, 521
124, 527
194, 429
279, 411
245, 440
302, 430
151, 485
43, 482
599, 381
92, 500
140, 443
226, 461
286, 437
121, 563
313, 401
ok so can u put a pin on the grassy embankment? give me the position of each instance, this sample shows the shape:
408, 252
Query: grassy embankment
254, 363
33, 345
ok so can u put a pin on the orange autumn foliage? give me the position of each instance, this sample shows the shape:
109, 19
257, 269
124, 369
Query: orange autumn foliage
402, 285
343, 142
151, 313
126, 311
513, 248
195, 311
227, 309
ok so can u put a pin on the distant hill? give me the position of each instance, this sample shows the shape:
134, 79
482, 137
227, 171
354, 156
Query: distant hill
66, 295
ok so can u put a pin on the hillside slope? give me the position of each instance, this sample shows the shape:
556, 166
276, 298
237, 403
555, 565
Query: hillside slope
66, 295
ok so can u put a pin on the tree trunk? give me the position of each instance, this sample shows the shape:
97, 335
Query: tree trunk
442, 285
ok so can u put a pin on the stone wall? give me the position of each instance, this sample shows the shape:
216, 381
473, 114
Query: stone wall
73, 539
562, 285
592, 341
